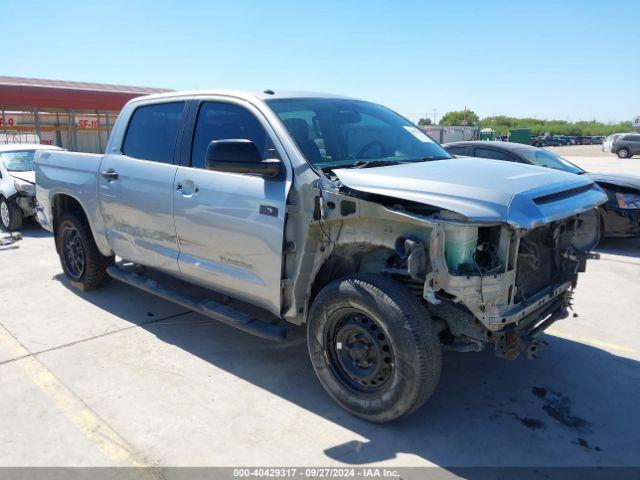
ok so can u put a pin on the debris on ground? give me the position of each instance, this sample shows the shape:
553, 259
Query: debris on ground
7, 241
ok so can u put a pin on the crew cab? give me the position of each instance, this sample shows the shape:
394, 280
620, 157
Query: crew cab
294, 208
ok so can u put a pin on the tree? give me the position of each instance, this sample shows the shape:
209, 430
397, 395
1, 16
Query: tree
457, 118
502, 124
424, 121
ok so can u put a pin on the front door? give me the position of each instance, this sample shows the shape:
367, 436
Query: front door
230, 227
136, 188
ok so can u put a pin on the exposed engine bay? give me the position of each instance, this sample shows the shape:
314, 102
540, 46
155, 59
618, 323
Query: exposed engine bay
482, 283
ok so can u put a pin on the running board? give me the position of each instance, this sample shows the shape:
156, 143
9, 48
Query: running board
210, 308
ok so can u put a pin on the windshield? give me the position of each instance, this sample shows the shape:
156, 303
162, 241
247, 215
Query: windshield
21, 161
334, 133
544, 158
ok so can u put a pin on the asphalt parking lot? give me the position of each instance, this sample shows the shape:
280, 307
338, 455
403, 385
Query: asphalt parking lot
119, 377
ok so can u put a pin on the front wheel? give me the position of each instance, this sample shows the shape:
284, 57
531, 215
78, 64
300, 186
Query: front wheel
81, 260
10, 215
373, 347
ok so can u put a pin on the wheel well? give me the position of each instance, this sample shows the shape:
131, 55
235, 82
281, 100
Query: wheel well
65, 203
350, 259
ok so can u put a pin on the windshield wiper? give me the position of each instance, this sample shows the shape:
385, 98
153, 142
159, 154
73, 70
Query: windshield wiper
436, 157
384, 162
374, 163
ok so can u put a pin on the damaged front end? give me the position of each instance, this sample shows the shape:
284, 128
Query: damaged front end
508, 284
498, 280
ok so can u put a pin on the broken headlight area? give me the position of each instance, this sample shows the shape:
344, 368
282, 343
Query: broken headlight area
473, 250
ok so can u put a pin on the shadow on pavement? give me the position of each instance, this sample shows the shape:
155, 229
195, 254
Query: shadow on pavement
31, 229
575, 406
628, 247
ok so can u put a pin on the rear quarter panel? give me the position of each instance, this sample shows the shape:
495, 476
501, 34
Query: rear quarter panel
76, 175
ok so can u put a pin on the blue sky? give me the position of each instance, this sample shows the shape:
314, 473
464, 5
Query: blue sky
566, 59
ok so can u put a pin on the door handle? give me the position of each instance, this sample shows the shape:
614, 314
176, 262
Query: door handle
110, 174
187, 188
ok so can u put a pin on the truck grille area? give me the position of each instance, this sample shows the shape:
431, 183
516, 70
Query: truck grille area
536, 263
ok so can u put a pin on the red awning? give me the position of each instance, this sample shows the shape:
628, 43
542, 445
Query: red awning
18, 92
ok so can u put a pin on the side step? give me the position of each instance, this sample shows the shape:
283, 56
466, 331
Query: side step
210, 308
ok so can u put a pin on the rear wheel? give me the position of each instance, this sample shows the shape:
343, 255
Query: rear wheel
10, 215
374, 347
81, 260
623, 153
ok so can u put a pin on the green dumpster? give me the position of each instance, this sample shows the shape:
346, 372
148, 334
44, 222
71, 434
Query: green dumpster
520, 135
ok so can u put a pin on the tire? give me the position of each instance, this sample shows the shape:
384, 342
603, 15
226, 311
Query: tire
623, 153
82, 262
601, 230
10, 215
393, 367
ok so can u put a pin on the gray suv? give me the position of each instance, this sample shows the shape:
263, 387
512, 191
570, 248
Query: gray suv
627, 145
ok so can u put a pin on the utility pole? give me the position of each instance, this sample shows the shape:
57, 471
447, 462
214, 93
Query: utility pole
434, 116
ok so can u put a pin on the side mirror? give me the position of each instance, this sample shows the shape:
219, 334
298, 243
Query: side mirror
240, 156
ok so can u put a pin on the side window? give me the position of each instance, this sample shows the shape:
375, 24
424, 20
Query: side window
457, 150
152, 132
634, 138
222, 121
493, 154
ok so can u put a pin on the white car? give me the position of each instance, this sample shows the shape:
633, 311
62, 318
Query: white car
606, 144
17, 182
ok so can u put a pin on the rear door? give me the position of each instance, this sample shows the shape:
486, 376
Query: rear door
230, 226
634, 144
136, 187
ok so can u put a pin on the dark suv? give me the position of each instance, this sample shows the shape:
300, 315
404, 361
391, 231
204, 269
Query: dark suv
627, 145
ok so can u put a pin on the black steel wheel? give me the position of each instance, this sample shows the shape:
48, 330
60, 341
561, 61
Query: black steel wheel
373, 347
361, 355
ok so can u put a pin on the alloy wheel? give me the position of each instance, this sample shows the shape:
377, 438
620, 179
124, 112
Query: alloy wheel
5, 214
73, 253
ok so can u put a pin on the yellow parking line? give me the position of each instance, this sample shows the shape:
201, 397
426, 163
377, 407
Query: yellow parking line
593, 342
91, 425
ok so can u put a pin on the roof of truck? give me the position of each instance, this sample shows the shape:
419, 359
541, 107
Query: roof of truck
245, 94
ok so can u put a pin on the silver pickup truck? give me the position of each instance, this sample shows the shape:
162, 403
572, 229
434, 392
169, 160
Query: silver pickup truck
266, 209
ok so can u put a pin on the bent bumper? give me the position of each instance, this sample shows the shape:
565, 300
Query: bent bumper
42, 218
524, 337
519, 313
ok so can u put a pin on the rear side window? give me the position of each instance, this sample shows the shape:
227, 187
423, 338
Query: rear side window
491, 153
153, 131
226, 121
456, 150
